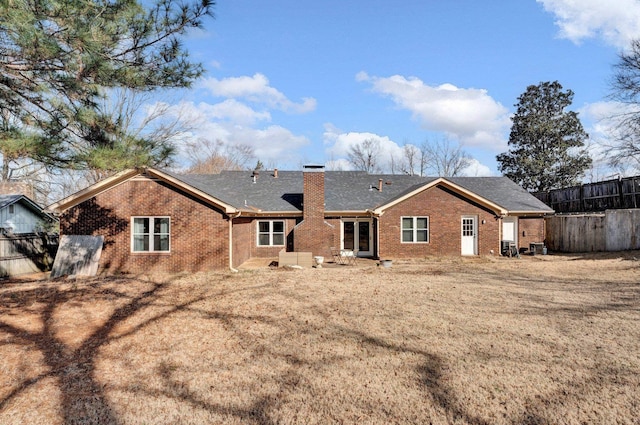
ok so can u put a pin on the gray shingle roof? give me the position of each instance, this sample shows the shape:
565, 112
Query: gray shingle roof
346, 190
502, 191
8, 199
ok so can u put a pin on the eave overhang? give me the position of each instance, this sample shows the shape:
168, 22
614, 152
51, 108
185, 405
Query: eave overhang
532, 213
260, 213
348, 213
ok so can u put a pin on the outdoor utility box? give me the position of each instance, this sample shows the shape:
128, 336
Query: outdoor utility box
536, 248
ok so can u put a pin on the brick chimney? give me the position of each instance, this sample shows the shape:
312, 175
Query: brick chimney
313, 192
313, 233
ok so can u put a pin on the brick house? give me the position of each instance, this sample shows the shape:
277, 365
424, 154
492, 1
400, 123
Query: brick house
155, 220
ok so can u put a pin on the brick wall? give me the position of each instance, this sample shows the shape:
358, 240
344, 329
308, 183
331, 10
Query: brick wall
530, 229
199, 233
245, 239
242, 246
445, 210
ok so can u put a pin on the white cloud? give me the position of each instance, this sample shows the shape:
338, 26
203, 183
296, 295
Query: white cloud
243, 115
339, 143
273, 144
257, 90
468, 115
340, 164
601, 119
235, 123
229, 110
615, 21
477, 169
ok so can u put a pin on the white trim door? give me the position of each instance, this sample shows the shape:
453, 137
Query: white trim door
469, 235
510, 229
357, 235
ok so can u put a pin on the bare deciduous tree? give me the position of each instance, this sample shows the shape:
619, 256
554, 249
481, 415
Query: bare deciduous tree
212, 157
365, 156
411, 157
333, 164
445, 159
626, 90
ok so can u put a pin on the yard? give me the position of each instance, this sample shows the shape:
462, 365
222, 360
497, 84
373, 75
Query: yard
545, 339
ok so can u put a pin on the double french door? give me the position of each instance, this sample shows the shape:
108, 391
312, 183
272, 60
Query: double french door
357, 236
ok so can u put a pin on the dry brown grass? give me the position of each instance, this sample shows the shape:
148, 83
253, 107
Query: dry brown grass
552, 339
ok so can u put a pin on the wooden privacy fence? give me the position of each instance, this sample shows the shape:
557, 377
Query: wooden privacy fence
613, 230
601, 196
27, 253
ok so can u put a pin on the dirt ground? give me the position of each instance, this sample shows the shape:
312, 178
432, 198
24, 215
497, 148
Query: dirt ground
539, 340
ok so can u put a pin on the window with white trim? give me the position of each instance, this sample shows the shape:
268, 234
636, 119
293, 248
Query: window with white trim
415, 229
271, 233
151, 234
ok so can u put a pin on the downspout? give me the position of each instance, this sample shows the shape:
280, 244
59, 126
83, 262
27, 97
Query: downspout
231, 217
500, 219
376, 217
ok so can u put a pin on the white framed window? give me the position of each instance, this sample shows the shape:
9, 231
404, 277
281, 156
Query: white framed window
151, 234
415, 229
271, 233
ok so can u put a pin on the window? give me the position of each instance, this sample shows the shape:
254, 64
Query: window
415, 229
11, 209
150, 234
270, 233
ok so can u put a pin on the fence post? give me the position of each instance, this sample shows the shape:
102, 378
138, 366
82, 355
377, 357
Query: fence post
621, 193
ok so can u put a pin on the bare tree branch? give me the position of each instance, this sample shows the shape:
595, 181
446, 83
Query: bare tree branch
365, 155
445, 159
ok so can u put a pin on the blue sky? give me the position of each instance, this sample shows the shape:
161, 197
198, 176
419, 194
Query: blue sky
302, 81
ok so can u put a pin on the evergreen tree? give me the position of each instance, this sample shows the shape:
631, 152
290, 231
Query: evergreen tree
546, 143
59, 58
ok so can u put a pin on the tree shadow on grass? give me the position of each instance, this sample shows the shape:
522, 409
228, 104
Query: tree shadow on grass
82, 396
433, 374
433, 378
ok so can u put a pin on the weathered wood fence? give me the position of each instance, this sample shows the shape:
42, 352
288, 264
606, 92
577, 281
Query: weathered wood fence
613, 230
27, 253
610, 194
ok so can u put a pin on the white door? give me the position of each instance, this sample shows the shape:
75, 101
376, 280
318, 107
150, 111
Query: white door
469, 235
510, 229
